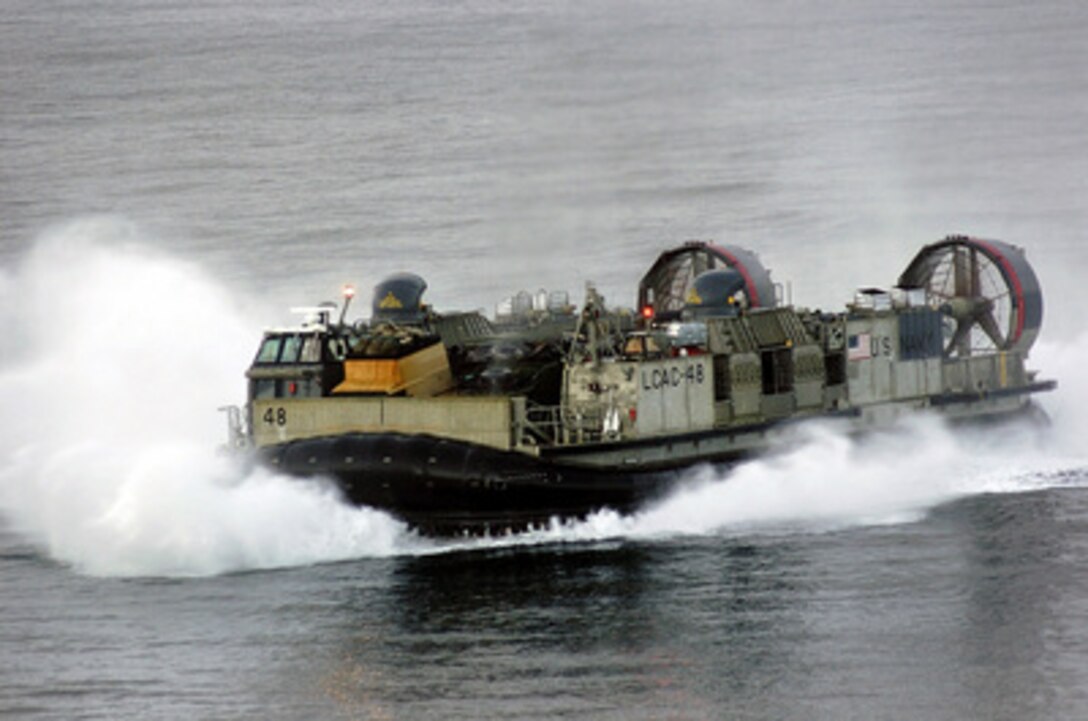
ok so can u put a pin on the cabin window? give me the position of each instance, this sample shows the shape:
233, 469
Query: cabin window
264, 388
298, 388
311, 349
721, 378
777, 371
292, 344
270, 350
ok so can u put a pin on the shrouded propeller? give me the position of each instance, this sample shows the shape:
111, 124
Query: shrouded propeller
987, 290
664, 288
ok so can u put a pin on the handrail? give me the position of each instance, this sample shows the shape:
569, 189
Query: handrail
237, 428
558, 425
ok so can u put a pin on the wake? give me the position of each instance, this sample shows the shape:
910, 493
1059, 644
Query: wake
108, 459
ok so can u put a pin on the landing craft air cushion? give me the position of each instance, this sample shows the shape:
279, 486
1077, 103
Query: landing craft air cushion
458, 423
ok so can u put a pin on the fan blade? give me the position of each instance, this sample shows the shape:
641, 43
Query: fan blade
961, 340
989, 325
959, 272
700, 264
975, 289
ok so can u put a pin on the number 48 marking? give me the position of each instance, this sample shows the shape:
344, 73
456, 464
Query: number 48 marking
275, 416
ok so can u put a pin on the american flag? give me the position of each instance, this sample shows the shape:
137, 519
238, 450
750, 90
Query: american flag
859, 347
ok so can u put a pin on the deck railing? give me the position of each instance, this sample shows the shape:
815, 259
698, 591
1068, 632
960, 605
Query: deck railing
541, 425
237, 428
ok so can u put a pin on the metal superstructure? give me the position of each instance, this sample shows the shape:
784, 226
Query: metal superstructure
459, 422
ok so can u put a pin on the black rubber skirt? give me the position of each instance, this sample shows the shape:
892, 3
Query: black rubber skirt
445, 487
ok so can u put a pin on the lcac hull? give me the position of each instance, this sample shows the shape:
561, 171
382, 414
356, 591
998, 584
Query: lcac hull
445, 487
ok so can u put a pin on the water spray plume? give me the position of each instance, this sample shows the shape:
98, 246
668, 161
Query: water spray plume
123, 354
110, 430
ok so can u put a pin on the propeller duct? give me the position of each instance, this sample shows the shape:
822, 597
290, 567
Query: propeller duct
987, 291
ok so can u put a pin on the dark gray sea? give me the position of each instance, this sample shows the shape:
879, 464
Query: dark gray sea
174, 176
